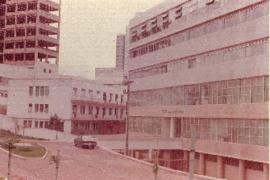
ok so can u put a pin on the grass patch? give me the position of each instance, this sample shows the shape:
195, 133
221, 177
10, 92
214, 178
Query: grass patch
4, 134
34, 151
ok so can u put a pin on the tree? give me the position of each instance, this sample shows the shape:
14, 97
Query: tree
56, 160
10, 145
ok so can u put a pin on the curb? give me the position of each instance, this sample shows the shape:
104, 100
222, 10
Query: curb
28, 158
151, 165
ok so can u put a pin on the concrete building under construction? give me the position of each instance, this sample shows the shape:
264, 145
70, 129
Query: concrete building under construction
29, 32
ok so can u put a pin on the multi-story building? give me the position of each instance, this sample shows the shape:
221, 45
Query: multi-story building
84, 106
120, 51
114, 75
29, 32
200, 68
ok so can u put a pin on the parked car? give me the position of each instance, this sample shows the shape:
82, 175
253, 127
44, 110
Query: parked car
86, 142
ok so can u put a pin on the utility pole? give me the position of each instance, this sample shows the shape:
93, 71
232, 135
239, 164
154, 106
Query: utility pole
192, 153
57, 164
127, 83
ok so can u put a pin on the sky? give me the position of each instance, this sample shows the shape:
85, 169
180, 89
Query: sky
89, 29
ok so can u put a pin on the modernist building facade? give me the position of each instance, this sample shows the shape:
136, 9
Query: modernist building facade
29, 32
203, 64
84, 106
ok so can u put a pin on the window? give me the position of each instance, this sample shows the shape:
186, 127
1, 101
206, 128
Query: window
111, 96
178, 12
41, 124
42, 91
47, 90
20, 32
83, 92
32, 5
82, 109
90, 93
116, 97
11, 8
30, 44
46, 109
104, 97
22, 7
30, 106
19, 45
31, 90
122, 98
37, 90
97, 110
90, 110
191, 63
103, 112
41, 108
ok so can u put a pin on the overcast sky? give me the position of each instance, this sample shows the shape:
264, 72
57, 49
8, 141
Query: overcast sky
89, 29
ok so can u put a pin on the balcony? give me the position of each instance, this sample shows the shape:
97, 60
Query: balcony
46, 17
50, 40
50, 29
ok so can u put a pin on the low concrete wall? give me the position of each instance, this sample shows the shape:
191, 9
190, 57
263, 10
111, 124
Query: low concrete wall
47, 134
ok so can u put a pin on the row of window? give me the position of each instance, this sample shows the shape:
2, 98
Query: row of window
240, 51
25, 6
18, 57
241, 131
110, 97
159, 23
19, 19
19, 32
236, 91
39, 91
20, 7
38, 108
96, 110
23, 44
214, 25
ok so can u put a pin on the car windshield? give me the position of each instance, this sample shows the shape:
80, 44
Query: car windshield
88, 138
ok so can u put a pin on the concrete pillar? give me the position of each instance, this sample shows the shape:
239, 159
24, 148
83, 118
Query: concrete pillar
67, 126
220, 167
265, 172
241, 170
150, 155
202, 164
172, 128
186, 161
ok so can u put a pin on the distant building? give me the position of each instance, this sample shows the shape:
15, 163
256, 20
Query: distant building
114, 75
204, 64
109, 76
29, 32
120, 52
84, 106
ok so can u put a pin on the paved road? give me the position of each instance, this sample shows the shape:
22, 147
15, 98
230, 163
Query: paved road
81, 164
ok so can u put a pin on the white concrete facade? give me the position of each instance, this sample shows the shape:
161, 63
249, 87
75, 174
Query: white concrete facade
204, 64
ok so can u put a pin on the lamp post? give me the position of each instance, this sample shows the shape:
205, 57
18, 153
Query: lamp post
192, 152
127, 82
